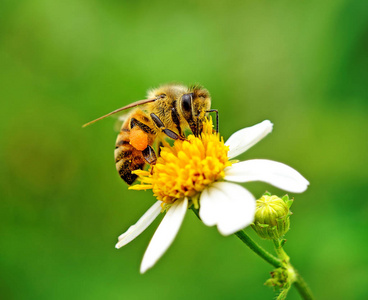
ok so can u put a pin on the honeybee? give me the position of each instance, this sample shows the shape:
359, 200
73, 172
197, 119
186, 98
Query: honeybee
167, 112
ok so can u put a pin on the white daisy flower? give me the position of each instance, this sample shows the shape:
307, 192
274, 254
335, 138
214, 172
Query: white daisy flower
199, 172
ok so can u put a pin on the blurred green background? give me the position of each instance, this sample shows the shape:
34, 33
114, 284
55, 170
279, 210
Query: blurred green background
301, 64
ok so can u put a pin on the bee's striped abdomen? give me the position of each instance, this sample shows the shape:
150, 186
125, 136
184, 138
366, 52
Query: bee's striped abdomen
127, 158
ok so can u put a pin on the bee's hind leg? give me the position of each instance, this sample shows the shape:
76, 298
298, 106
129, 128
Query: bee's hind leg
149, 155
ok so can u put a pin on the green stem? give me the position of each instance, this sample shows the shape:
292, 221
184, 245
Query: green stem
303, 288
246, 239
295, 278
281, 252
299, 282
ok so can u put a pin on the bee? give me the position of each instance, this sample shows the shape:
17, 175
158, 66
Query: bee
168, 111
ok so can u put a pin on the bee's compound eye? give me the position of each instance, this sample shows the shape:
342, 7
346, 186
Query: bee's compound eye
186, 102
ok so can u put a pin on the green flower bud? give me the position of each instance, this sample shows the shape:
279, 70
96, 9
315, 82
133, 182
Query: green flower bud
272, 218
279, 278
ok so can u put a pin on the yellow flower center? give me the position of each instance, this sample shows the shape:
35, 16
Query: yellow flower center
187, 167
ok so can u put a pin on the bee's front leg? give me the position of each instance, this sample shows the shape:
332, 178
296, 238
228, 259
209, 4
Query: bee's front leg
217, 118
176, 119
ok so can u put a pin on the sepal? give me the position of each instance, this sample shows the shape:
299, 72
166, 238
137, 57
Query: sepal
279, 278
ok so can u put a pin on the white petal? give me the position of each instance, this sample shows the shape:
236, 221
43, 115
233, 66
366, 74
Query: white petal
136, 229
211, 206
272, 172
243, 139
164, 234
240, 213
227, 205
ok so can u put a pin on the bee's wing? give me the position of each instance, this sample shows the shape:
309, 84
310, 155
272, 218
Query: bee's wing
120, 120
140, 102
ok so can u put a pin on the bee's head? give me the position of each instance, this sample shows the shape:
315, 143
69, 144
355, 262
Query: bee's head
193, 106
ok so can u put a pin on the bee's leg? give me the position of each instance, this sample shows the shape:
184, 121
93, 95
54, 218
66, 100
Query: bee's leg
134, 122
159, 148
217, 118
172, 134
176, 120
149, 155
160, 125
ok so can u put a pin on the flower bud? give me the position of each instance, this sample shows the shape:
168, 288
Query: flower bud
272, 218
279, 278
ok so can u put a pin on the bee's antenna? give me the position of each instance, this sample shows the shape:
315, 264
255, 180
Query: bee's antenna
100, 118
140, 102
